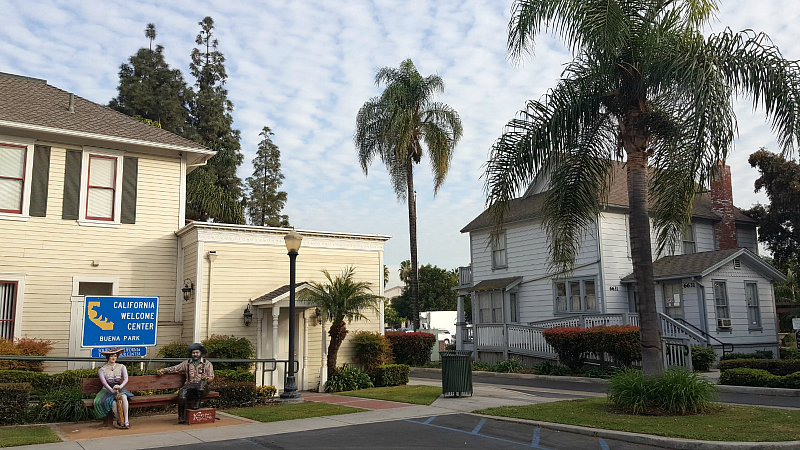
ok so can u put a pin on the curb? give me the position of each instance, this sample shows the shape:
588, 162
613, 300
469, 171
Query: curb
651, 440
777, 392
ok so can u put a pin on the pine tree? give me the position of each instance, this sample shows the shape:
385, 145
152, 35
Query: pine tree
265, 202
212, 126
150, 89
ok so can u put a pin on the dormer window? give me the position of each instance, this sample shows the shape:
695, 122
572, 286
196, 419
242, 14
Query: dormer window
688, 240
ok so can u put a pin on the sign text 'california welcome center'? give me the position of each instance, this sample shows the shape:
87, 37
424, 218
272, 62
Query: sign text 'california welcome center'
113, 321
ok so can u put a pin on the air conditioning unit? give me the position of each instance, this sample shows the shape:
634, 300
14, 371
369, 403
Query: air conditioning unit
723, 323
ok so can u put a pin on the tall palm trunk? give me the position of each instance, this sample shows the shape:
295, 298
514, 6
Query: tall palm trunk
634, 141
337, 333
412, 234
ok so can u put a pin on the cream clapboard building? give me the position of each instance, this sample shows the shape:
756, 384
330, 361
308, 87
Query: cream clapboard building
92, 203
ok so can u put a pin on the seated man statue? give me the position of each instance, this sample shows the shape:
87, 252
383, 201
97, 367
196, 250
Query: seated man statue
199, 373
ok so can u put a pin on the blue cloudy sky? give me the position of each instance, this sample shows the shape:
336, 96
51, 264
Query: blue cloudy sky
304, 69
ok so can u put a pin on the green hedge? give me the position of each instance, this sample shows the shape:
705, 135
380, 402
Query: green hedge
759, 378
372, 350
759, 354
348, 379
14, 399
773, 366
234, 376
390, 375
413, 349
232, 395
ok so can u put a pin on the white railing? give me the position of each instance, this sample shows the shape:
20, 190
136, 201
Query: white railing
672, 329
525, 339
588, 320
574, 321
677, 353
467, 334
489, 336
465, 276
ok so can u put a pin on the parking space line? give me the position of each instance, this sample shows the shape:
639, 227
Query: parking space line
603, 444
535, 441
478, 427
473, 434
430, 419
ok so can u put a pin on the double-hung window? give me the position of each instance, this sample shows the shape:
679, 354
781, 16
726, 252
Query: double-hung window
499, 254
673, 296
721, 305
8, 296
16, 168
575, 295
753, 312
491, 307
513, 307
101, 187
688, 240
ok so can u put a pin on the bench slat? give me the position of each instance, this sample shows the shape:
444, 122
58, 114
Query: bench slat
138, 383
151, 400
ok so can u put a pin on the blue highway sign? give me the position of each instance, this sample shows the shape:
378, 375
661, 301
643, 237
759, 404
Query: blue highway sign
119, 321
129, 351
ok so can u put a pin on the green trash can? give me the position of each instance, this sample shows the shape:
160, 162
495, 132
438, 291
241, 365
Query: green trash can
456, 372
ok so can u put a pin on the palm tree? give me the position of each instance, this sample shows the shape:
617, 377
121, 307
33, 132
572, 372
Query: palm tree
341, 299
405, 271
644, 85
394, 126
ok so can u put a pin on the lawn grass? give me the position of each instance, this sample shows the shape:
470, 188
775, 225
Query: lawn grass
27, 435
275, 413
727, 423
417, 394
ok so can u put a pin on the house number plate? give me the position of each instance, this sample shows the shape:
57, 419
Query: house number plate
613, 288
688, 285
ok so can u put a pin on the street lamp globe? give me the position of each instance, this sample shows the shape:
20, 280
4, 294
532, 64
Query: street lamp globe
293, 240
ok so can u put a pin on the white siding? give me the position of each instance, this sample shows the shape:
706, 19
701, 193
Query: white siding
746, 237
704, 235
616, 255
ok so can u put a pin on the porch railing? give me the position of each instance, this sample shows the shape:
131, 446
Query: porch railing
671, 328
589, 320
677, 353
467, 335
465, 276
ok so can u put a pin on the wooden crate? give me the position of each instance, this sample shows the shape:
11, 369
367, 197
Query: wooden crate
202, 415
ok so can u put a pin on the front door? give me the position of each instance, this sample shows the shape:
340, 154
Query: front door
282, 346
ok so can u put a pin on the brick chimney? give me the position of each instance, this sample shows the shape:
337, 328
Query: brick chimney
722, 204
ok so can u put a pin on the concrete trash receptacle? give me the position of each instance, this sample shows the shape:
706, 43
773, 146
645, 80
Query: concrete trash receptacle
456, 372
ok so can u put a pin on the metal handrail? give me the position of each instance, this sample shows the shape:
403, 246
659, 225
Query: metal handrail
708, 336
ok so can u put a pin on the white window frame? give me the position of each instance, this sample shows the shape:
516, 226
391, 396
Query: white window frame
24, 214
500, 245
719, 309
582, 293
667, 300
103, 152
513, 307
494, 312
755, 309
18, 278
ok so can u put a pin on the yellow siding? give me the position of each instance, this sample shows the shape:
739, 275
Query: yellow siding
51, 251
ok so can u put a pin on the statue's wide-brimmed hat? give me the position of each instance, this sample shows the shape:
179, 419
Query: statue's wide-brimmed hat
112, 351
197, 346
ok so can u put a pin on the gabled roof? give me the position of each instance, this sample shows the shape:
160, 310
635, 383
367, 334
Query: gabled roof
497, 284
33, 107
526, 208
280, 294
704, 263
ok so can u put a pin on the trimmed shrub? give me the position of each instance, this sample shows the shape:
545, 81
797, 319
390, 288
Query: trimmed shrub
758, 354
675, 392
174, 350
746, 377
232, 395
481, 365
372, 350
507, 366
348, 379
24, 347
548, 368
570, 344
391, 375
773, 366
621, 342
265, 394
703, 357
39, 381
234, 376
229, 347
14, 399
413, 349
60, 405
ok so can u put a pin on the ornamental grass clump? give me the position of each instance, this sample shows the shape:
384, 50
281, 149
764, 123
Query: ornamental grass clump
674, 392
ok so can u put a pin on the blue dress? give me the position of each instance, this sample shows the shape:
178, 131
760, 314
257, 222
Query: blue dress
105, 399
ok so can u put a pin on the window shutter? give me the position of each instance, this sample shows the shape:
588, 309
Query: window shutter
130, 176
72, 185
40, 180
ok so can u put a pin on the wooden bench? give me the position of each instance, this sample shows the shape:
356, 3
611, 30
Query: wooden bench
142, 383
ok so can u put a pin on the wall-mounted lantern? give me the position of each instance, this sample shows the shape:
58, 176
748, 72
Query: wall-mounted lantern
187, 289
247, 316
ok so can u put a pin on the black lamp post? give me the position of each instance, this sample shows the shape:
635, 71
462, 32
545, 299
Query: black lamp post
293, 240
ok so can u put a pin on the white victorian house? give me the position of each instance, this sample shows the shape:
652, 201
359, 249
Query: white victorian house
713, 290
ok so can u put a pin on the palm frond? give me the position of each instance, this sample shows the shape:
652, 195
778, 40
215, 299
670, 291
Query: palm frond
342, 298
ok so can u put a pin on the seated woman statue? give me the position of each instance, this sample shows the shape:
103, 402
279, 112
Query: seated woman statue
114, 378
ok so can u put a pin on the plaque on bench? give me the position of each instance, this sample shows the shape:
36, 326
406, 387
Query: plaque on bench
202, 415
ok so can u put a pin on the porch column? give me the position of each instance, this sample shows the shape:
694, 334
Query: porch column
276, 312
323, 371
305, 349
259, 344
460, 323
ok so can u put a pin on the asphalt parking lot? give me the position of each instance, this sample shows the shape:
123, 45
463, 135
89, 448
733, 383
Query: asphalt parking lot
437, 432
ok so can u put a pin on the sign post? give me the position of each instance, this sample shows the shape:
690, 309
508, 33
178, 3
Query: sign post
114, 321
796, 326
